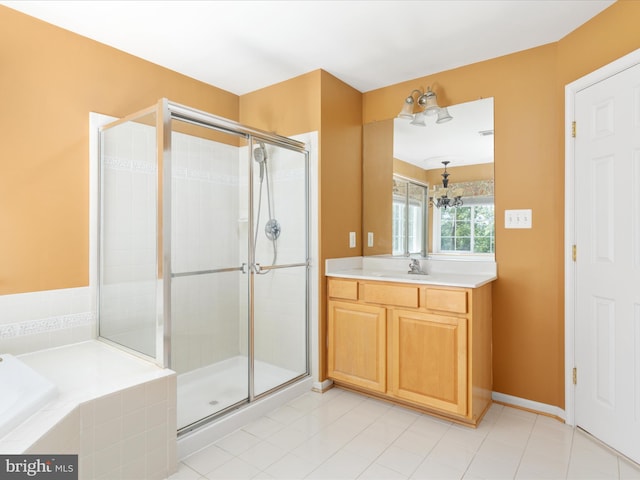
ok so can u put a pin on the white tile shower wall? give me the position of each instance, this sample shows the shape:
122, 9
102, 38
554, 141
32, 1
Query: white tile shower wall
205, 235
37, 320
123, 435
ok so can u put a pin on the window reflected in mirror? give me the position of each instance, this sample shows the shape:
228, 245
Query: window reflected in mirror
465, 229
410, 217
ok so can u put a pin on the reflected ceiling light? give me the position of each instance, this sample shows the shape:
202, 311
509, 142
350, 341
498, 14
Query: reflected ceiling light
445, 197
428, 102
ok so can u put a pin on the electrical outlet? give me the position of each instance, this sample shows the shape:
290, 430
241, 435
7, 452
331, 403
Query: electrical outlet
370, 239
352, 239
517, 218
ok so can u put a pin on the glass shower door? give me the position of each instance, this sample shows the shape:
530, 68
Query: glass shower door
129, 297
280, 274
209, 283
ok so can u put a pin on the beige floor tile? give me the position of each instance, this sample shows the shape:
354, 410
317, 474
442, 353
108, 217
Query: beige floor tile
343, 435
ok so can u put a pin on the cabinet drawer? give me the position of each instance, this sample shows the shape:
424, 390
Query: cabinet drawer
347, 289
397, 295
447, 300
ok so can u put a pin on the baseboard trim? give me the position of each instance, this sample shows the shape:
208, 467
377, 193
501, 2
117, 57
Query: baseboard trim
529, 405
323, 386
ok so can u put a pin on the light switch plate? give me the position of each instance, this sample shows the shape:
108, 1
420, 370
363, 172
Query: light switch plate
517, 218
352, 239
370, 239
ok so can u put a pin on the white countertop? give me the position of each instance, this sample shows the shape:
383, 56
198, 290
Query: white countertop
452, 273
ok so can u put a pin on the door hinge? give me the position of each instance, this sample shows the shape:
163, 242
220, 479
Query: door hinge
574, 252
573, 129
575, 376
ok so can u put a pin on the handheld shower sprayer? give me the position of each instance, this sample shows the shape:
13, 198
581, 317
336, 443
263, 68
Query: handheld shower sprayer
272, 227
260, 156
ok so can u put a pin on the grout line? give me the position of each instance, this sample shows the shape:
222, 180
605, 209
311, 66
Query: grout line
432, 449
526, 445
333, 454
391, 444
573, 434
482, 443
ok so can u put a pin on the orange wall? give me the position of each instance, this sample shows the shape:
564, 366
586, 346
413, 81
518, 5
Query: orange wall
51, 79
341, 168
467, 173
377, 186
287, 108
528, 88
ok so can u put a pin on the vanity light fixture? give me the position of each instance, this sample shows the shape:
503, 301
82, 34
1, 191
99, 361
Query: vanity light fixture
440, 196
428, 102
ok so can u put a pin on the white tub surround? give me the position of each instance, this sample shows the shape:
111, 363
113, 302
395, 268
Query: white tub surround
24, 392
452, 273
38, 320
115, 410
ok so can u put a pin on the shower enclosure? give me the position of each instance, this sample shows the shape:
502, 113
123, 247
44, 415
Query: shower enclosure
203, 254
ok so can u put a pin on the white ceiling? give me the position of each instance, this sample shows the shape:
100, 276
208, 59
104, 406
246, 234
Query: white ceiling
242, 46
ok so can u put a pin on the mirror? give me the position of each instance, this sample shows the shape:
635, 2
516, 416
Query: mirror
403, 163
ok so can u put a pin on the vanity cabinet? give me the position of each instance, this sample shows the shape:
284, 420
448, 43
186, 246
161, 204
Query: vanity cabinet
358, 339
421, 345
427, 359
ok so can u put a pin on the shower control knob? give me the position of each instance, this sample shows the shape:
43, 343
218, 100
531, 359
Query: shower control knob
272, 229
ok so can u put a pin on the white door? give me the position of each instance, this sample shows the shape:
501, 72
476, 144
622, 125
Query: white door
607, 282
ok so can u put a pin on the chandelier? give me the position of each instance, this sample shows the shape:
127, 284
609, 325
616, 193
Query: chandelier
445, 197
428, 102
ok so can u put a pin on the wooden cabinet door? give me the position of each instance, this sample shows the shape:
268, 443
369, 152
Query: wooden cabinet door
357, 343
428, 360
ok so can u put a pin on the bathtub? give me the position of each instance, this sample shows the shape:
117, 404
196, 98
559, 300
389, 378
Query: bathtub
114, 410
23, 392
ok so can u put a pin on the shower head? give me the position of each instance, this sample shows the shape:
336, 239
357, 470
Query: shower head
260, 156
260, 153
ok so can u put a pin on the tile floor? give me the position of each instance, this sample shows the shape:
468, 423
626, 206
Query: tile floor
343, 435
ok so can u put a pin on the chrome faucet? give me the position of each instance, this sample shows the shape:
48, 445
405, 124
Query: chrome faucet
414, 267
